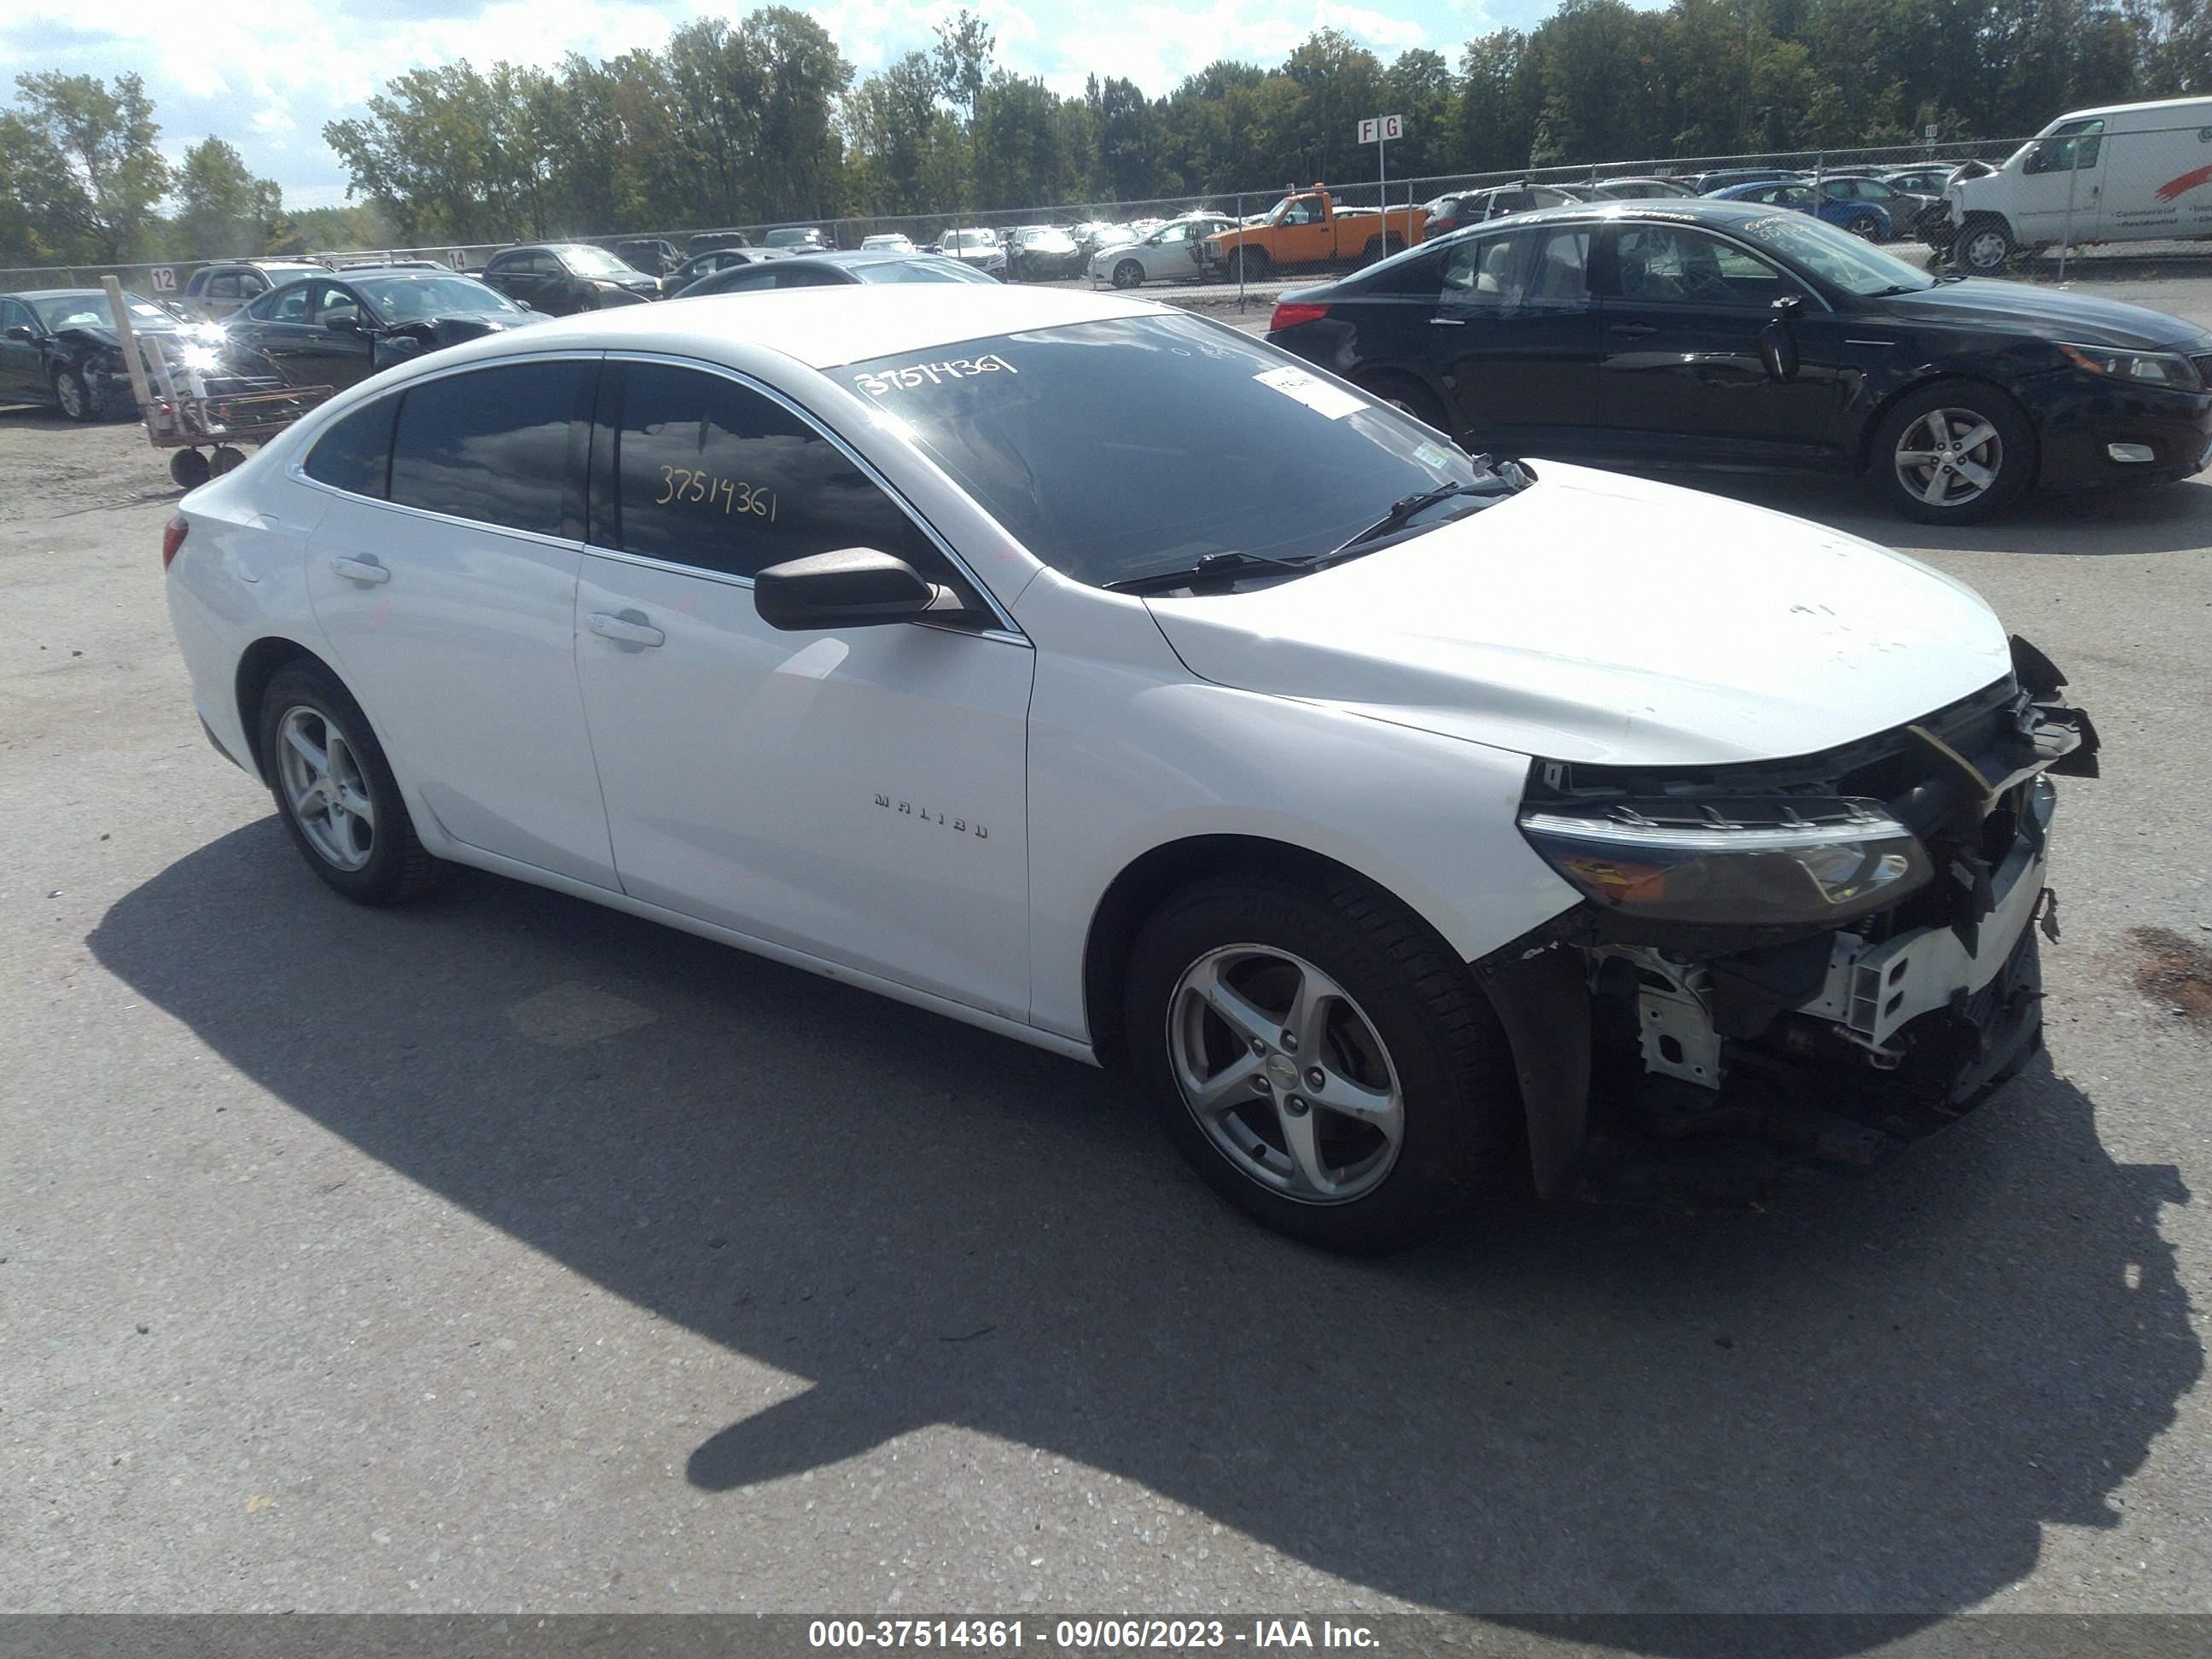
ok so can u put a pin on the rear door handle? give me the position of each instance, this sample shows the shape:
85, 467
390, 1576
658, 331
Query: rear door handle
368, 572
1447, 322
630, 628
1632, 331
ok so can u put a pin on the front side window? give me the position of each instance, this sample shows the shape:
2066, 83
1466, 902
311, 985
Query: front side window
492, 444
14, 313
355, 452
1128, 446
330, 303
712, 474
285, 305
1669, 265
2071, 144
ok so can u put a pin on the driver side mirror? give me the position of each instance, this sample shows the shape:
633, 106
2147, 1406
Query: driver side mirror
20, 331
854, 587
343, 325
1777, 347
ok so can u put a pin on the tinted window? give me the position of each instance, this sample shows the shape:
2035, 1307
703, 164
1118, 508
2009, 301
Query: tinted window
1535, 269
355, 454
491, 445
221, 288
712, 474
1666, 264
1119, 448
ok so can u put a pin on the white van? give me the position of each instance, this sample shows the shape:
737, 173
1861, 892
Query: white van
2133, 172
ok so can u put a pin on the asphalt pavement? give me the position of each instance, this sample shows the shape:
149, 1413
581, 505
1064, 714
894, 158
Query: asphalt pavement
502, 1252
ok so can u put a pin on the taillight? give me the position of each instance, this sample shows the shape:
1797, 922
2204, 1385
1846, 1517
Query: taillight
1290, 313
173, 537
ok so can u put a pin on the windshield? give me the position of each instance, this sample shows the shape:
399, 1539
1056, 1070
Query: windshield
404, 298
1121, 448
918, 271
1836, 256
90, 309
588, 261
972, 239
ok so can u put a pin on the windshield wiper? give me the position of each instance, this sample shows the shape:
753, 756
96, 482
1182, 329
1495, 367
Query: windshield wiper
1227, 565
1403, 511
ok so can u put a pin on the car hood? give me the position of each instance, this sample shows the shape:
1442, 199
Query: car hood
2050, 312
1604, 619
1113, 248
104, 334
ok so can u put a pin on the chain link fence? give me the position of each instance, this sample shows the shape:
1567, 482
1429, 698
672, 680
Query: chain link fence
156, 280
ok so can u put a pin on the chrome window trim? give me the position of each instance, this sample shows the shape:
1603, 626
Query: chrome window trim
868, 469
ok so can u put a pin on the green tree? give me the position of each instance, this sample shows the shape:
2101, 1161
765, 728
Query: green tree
223, 209
105, 135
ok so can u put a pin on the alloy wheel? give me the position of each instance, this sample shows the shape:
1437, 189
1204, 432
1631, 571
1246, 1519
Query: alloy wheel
1950, 457
1285, 1074
70, 390
325, 789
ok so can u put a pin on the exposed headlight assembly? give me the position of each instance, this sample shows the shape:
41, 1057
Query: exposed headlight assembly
2166, 368
1730, 862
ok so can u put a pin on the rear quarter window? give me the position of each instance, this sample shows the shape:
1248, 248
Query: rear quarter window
354, 454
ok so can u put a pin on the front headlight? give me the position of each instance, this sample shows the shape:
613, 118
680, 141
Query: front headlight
2166, 368
1782, 862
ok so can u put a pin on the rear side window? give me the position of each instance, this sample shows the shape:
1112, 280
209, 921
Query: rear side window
355, 454
493, 443
712, 474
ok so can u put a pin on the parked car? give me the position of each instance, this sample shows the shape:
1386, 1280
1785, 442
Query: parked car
706, 239
560, 277
1172, 253
797, 238
1632, 190
655, 255
1868, 220
2128, 173
1720, 179
1727, 336
1458, 209
1094, 234
714, 259
977, 246
1900, 207
1042, 253
887, 242
60, 346
832, 268
1927, 181
339, 327
1307, 228
1095, 674
213, 292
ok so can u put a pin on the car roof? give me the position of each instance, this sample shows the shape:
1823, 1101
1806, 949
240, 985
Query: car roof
822, 327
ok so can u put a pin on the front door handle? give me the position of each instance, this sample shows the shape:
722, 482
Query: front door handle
1447, 322
630, 628
1632, 331
367, 572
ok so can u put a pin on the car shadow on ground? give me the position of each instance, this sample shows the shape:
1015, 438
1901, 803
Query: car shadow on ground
2166, 519
1872, 1397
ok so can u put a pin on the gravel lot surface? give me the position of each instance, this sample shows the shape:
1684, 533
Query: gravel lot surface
505, 1253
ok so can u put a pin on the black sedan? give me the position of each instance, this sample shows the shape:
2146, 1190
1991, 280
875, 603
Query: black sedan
824, 270
712, 260
559, 278
60, 346
1728, 337
334, 330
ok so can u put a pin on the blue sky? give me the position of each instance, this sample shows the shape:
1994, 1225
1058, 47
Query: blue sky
268, 77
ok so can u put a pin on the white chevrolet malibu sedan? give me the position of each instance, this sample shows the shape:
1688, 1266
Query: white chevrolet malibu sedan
1103, 678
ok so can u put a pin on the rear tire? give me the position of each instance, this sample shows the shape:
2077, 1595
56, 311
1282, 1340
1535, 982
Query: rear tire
189, 469
1864, 226
1403, 392
1953, 452
335, 790
1381, 248
1389, 1103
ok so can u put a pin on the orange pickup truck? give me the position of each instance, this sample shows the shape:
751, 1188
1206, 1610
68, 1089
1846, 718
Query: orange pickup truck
1307, 228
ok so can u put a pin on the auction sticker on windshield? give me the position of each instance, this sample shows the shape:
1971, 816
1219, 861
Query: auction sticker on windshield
1314, 393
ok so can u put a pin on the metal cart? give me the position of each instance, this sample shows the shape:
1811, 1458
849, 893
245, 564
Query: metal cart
191, 406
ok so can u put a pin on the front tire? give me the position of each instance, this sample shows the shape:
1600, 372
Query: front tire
73, 396
1323, 1059
1955, 452
1248, 265
1128, 274
1984, 247
335, 790
1864, 226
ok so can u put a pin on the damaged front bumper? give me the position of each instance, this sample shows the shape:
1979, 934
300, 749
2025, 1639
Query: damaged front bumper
1684, 998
